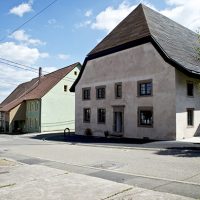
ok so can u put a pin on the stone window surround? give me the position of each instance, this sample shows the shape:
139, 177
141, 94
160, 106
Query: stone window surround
189, 82
116, 87
86, 88
98, 115
192, 125
145, 108
99, 87
85, 121
144, 81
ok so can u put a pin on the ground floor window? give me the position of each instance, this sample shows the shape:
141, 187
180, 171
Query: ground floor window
86, 115
101, 115
145, 116
190, 117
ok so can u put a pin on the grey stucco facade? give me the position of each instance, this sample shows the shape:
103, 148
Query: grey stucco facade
169, 101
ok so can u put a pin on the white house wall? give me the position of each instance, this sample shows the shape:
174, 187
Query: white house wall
58, 107
129, 66
183, 102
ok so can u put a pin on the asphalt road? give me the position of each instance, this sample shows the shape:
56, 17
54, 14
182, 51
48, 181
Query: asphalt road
175, 171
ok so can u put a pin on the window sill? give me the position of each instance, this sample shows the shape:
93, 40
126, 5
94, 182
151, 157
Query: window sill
144, 96
145, 126
190, 96
190, 126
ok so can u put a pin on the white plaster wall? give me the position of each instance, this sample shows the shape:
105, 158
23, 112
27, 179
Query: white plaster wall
183, 102
129, 66
58, 107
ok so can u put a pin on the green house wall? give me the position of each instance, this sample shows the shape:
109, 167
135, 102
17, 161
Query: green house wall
33, 116
58, 106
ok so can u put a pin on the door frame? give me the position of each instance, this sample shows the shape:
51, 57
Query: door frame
118, 108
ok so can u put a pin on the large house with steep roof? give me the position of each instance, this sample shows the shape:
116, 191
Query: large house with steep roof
42, 104
141, 81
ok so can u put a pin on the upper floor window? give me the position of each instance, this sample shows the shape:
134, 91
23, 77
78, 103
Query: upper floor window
75, 73
86, 93
118, 90
190, 89
145, 88
86, 115
145, 116
101, 115
101, 92
65, 88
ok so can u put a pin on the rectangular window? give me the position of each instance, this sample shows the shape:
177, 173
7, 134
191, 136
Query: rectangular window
65, 88
145, 116
86, 93
101, 115
190, 117
101, 92
118, 90
190, 89
145, 88
86, 115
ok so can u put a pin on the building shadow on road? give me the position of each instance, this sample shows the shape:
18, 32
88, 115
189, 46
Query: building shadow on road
72, 138
180, 152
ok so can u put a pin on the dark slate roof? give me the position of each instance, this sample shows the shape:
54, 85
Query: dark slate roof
173, 40
35, 89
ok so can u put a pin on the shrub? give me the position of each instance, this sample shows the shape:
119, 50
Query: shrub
88, 132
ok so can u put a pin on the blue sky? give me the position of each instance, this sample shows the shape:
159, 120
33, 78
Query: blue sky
68, 30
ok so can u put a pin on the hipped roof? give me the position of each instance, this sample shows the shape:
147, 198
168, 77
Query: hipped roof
174, 41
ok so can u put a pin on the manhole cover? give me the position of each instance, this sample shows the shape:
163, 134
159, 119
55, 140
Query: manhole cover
108, 165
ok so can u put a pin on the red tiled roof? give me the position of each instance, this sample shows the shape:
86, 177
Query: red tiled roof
35, 89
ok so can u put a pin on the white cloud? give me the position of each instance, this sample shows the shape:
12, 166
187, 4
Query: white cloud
63, 56
184, 12
20, 53
55, 24
52, 21
11, 77
83, 24
110, 17
44, 55
21, 9
21, 36
88, 13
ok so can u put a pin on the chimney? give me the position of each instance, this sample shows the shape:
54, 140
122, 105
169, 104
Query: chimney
40, 73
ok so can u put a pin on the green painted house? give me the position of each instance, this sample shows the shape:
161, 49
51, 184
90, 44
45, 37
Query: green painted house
43, 104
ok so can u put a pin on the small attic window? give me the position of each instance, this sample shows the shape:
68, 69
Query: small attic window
75, 73
65, 88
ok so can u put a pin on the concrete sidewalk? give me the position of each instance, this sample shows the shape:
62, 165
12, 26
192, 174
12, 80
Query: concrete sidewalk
33, 182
